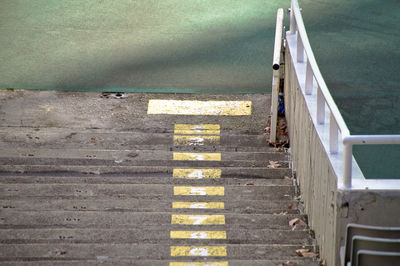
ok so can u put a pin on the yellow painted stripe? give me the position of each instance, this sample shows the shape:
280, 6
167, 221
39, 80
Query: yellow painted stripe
198, 205
188, 156
206, 263
193, 140
199, 191
195, 219
198, 234
203, 251
179, 107
199, 129
196, 173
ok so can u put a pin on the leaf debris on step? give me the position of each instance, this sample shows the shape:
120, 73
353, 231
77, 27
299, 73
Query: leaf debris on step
296, 222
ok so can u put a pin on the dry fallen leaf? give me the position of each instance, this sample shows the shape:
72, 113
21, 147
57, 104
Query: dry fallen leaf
273, 164
296, 222
305, 252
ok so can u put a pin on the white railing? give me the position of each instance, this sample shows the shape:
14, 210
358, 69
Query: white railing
276, 75
304, 55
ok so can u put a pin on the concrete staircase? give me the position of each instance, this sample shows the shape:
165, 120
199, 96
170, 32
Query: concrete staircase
138, 191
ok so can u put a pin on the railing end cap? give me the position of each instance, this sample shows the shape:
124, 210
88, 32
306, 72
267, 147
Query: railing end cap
275, 66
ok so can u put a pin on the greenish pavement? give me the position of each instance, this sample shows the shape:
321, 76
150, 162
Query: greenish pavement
142, 45
207, 46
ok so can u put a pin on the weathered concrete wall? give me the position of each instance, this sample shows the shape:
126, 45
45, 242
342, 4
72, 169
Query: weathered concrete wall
329, 208
315, 175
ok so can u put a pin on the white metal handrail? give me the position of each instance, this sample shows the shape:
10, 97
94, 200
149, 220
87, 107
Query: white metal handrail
276, 74
336, 122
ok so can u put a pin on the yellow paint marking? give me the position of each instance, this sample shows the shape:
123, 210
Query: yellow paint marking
201, 129
46, 107
198, 205
188, 156
192, 219
198, 234
196, 173
199, 191
206, 263
179, 107
203, 251
193, 140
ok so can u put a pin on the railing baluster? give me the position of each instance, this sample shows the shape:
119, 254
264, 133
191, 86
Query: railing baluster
347, 164
320, 106
309, 78
300, 49
333, 135
292, 29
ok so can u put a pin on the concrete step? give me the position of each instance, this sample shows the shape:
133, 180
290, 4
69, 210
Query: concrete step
138, 191
70, 139
144, 205
136, 179
187, 262
120, 157
127, 220
93, 183
143, 251
234, 235
234, 171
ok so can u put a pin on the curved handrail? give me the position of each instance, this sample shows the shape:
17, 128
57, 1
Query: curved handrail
336, 123
315, 69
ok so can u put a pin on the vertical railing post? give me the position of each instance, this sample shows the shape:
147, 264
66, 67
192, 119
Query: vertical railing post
320, 106
300, 48
333, 135
347, 164
292, 29
309, 79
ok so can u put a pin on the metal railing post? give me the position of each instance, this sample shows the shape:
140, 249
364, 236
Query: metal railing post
309, 78
333, 135
292, 29
320, 106
300, 49
347, 164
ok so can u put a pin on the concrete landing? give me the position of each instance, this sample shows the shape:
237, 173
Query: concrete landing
87, 178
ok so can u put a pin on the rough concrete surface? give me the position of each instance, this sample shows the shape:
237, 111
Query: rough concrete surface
89, 179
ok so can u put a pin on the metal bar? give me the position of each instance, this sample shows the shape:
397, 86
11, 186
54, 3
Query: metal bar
371, 139
276, 74
320, 106
347, 164
333, 135
292, 29
278, 40
309, 79
300, 49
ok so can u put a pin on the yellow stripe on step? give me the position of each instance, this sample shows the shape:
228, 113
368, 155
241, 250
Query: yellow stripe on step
199, 191
184, 107
198, 234
194, 219
193, 140
206, 263
203, 251
188, 156
196, 173
198, 205
197, 129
